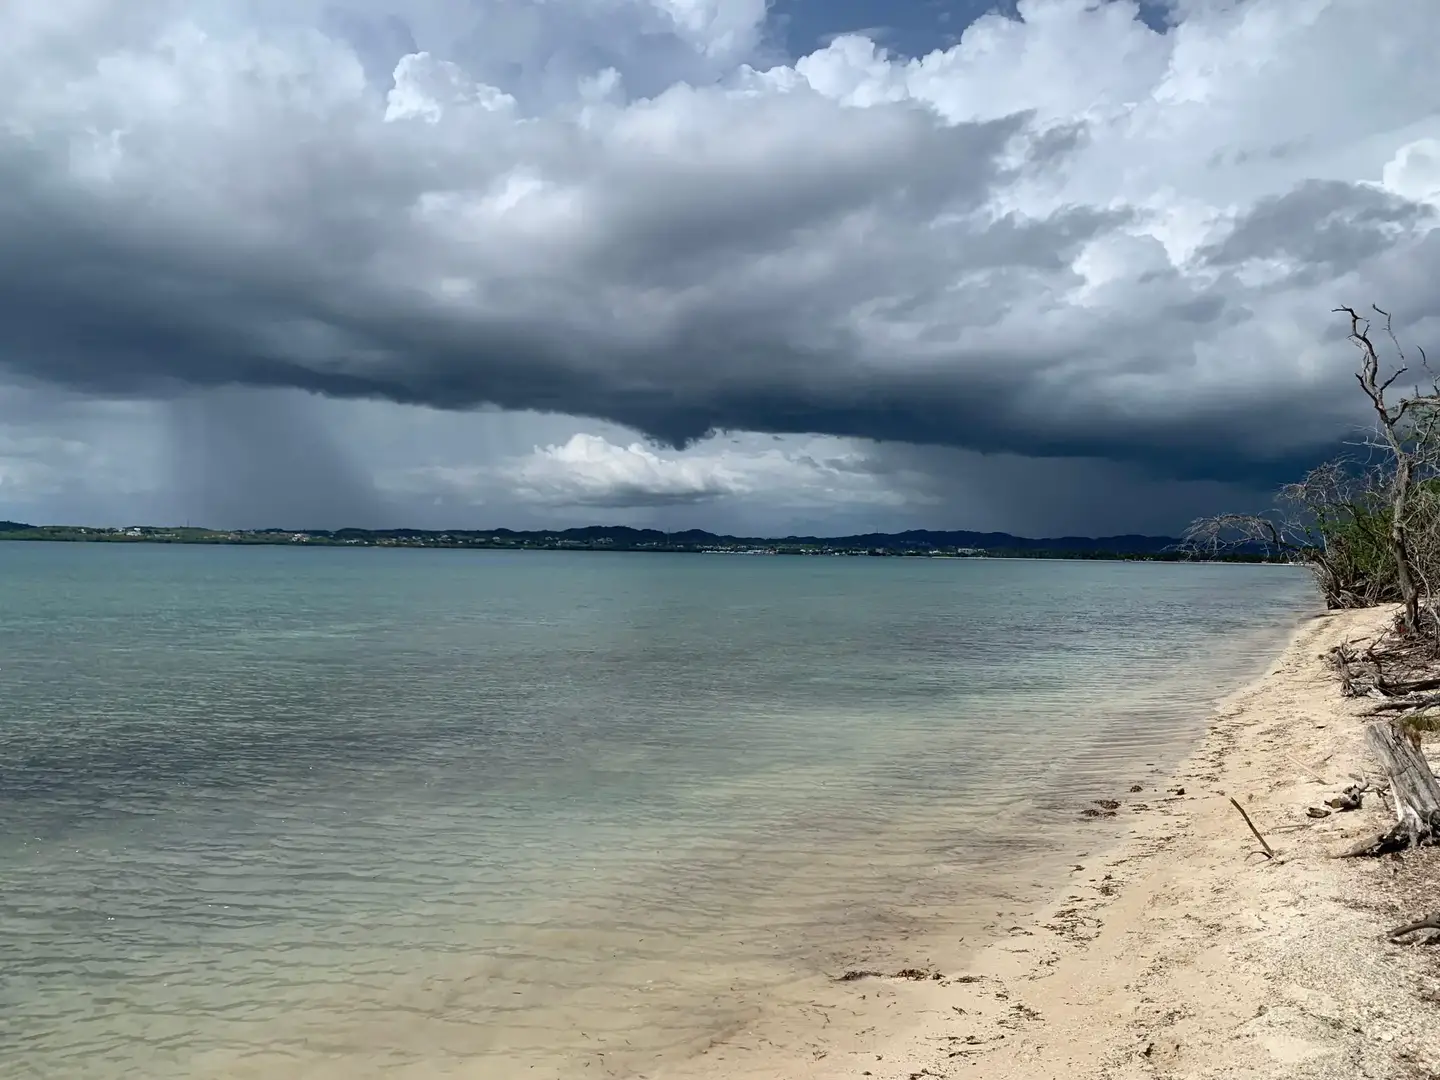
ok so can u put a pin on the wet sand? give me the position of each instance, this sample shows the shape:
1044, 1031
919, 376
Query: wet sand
1175, 949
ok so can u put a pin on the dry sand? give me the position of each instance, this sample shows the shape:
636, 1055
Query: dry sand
1177, 950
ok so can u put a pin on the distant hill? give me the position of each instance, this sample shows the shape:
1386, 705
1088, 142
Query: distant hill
622, 536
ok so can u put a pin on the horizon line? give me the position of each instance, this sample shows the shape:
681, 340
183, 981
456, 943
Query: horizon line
416, 530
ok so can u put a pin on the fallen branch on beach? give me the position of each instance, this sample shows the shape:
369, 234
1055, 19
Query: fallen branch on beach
1313, 774
1389, 667
1415, 686
1269, 852
908, 974
1400, 704
1397, 669
1430, 922
1346, 662
1395, 838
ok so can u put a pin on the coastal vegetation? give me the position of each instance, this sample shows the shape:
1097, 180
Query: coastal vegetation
1368, 521
1368, 524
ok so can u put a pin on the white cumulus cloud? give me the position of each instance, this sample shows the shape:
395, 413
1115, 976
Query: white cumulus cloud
588, 470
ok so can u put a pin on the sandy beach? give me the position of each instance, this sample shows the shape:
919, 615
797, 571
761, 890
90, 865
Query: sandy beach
1176, 949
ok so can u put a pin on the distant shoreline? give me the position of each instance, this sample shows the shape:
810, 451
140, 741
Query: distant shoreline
912, 544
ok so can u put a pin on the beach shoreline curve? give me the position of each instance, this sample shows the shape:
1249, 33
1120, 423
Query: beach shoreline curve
1179, 950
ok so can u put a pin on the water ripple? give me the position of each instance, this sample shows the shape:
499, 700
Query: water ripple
360, 813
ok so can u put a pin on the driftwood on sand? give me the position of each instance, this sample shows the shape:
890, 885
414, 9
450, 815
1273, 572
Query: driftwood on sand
1268, 852
1413, 787
1430, 922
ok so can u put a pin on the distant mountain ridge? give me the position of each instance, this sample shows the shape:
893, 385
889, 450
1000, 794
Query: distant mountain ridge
624, 536
910, 539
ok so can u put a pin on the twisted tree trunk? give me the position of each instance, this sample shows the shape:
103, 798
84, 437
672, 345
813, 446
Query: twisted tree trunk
1399, 543
1412, 785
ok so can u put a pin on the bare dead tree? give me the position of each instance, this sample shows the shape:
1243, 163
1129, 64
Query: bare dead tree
1390, 419
1327, 520
1369, 528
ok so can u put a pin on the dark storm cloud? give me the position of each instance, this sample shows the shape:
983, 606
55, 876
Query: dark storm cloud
750, 254
1322, 225
1051, 497
111, 315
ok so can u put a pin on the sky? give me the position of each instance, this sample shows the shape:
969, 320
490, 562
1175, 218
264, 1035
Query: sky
825, 266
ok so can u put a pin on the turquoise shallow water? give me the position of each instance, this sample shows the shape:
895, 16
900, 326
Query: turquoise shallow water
349, 813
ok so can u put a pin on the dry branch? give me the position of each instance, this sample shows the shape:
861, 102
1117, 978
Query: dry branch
1269, 853
1401, 704
1430, 922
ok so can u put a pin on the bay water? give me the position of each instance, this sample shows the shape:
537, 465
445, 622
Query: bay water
326, 812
